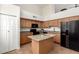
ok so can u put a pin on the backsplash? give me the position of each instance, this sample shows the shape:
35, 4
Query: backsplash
25, 29
46, 29
52, 29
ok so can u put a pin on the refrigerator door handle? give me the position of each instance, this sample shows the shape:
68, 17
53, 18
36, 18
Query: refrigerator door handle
67, 41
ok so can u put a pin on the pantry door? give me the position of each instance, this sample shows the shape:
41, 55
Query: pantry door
13, 35
8, 33
4, 36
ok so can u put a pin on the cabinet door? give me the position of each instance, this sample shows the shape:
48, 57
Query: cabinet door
28, 24
59, 23
46, 24
41, 24
54, 23
4, 41
23, 23
57, 38
24, 37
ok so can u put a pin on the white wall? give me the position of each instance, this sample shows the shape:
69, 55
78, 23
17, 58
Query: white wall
32, 8
40, 11
26, 14
32, 11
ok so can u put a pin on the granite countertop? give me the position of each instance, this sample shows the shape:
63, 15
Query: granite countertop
55, 32
41, 37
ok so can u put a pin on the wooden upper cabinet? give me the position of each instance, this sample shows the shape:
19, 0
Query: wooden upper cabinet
28, 23
65, 20
45, 24
24, 23
59, 23
36, 22
53, 23
39, 24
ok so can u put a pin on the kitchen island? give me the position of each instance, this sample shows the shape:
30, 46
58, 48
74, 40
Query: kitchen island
42, 43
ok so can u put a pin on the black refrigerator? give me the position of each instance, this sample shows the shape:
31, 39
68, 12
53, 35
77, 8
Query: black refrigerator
70, 35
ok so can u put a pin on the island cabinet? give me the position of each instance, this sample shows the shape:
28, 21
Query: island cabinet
56, 38
23, 37
42, 47
42, 44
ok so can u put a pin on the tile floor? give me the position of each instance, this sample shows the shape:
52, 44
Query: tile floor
26, 49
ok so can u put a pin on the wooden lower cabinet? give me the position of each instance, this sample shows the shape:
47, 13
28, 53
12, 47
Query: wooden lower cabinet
57, 38
23, 37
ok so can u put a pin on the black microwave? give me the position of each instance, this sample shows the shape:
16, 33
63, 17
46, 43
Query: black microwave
34, 26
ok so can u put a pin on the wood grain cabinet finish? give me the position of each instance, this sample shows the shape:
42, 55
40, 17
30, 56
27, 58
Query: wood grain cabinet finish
59, 23
23, 37
39, 24
54, 23
26, 23
67, 19
45, 24
22, 23
36, 22
43, 46
56, 39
